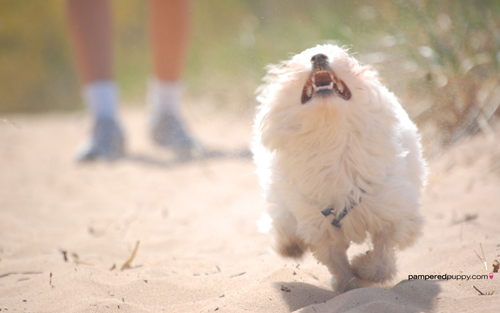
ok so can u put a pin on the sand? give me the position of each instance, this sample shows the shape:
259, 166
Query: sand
67, 229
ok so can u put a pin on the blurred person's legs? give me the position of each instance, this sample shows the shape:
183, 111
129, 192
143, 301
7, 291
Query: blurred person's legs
91, 31
169, 27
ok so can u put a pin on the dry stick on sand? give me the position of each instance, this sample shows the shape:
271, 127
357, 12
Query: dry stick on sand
345, 286
65, 254
484, 259
236, 275
132, 257
20, 273
481, 293
50, 280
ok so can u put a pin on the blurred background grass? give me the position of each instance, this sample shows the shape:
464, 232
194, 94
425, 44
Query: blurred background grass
441, 58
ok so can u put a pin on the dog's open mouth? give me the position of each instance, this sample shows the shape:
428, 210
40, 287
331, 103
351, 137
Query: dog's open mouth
323, 82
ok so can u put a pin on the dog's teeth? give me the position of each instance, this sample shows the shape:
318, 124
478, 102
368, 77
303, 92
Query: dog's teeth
340, 87
313, 79
309, 91
315, 88
331, 86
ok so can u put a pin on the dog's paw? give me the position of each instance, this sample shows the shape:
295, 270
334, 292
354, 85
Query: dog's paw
291, 250
374, 269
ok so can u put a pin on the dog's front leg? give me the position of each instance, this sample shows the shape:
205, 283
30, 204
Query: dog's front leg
334, 256
284, 233
378, 265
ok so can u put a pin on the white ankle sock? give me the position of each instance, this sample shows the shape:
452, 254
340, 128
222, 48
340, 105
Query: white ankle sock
101, 98
164, 97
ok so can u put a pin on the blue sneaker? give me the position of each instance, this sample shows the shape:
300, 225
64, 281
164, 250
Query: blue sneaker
107, 142
169, 132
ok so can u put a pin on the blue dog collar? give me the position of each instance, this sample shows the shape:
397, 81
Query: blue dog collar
347, 209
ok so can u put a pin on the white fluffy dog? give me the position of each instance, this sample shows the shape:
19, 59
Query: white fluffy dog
339, 160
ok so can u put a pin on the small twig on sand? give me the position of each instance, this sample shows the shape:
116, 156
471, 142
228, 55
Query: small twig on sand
19, 273
65, 254
481, 293
484, 259
343, 289
127, 264
236, 275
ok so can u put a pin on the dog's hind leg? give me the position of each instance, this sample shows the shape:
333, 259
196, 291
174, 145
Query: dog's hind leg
379, 264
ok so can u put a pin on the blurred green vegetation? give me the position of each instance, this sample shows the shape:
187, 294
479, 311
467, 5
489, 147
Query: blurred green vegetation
440, 57
35, 64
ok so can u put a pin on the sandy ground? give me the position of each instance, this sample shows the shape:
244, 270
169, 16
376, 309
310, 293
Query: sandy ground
67, 229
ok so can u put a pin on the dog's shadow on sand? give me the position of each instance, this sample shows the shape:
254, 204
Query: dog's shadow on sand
406, 297
207, 155
298, 295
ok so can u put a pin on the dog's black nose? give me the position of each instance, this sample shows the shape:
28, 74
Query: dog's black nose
319, 58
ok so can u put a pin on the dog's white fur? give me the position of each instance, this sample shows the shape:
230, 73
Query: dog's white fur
324, 154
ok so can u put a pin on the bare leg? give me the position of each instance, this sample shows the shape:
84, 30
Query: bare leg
169, 27
91, 32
